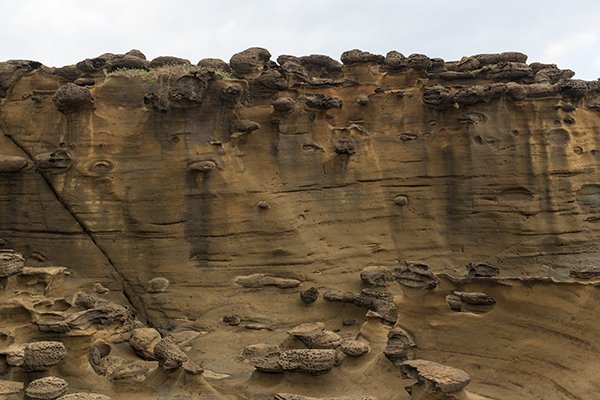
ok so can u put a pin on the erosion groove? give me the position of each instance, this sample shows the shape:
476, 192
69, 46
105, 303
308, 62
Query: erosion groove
299, 229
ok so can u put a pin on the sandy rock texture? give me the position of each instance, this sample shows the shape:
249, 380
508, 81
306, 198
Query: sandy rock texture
299, 227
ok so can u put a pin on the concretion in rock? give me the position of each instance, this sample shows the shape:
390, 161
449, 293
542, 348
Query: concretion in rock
482, 269
309, 295
354, 348
158, 285
48, 388
262, 280
308, 360
361, 57
377, 276
400, 346
170, 356
377, 300
585, 272
71, 97
314, 336
143, 341
475, 302
162, 61
416, 275
250, 62
41, 356
10, 387
436, 377
11, 263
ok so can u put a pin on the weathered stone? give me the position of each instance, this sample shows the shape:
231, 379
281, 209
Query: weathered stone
585, 272
170, 356
314, 336
126, 62
482, 269
475, 302
400, 346
48, 388
309, 295
354, 348
377, 276
71, 97
436, 377
262, 280
289, 396
250, 62
143, 341
321, 65
214, 64
163, 61
312, 361
438, 96
11, 263
377, 300
259, 350
416, 275
84, 396
12, 163
419, 62
284, 104
158, 285
322, 101
10, 387
356, 56
395, 60
41, 356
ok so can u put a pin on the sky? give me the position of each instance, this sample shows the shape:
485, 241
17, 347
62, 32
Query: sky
63, 32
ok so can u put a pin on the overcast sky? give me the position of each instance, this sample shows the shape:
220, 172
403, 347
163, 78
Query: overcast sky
61, 32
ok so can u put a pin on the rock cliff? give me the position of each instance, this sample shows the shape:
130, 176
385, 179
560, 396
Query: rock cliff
215, 206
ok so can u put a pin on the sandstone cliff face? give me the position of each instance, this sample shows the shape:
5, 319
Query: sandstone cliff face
307, 171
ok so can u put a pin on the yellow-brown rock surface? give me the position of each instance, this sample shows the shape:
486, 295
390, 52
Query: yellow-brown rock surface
301, 174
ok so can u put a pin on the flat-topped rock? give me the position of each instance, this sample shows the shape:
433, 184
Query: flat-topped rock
436, 377
10, 387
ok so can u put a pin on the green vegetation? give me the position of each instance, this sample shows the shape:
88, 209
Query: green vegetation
151, 75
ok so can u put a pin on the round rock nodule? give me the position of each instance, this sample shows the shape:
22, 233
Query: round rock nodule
41, 356
71, 97
48, 388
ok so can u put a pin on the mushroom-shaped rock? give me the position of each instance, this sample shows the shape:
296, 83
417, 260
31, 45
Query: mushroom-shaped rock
126, 62
136, 53
314, 336
84, 396
250, 62
262, 280
309, 295
158, 285
214, 64
170, 356
272, 80
41, 356
475, 302
70, 97
400, 346
438, 96
163, 61
418, 62
143, 341
354, 348
321, 66
289, 396
436, 377
284, 104
376, 276
357, 56
10, 387
48, 388
395, 60
308, 360
12, 163
416, 275
322, 101
11, 263
482, 270
202, 166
